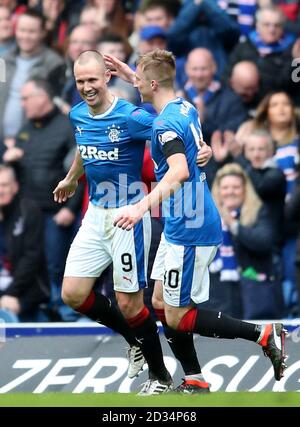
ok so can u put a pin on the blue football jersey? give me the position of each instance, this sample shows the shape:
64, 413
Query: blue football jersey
111, 146
191, 217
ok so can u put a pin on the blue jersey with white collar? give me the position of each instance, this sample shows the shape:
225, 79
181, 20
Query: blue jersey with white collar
191, 217
111, 146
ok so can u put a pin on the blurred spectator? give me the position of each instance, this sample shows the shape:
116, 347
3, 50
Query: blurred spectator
266, 177
30, 59
138, 23
243, 268
7, 42
244, 81
291, 9
90, 17
81, 38
242, 11
152, 37
60, 15
43, 145
159, 13
292, 213
15, 8
203, 24
113, 44
221, 110
277, 114
111, 16
23, 275
269, 48
219, 107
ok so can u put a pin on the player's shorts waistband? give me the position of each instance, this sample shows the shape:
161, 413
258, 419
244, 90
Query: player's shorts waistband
102, 208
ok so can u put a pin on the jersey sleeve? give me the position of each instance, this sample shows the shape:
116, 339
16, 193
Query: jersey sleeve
72, 119
166, 131
140, 124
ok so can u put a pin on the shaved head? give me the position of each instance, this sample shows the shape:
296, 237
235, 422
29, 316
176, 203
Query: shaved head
200, 68
244, 80
246, 71
203, 55
90, 55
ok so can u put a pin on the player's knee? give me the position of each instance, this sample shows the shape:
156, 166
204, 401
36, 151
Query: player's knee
127, 307
157, 302
70, 297
157, 296
129, 304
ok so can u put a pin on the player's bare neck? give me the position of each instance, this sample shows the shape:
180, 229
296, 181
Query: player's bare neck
163, 99
103, 107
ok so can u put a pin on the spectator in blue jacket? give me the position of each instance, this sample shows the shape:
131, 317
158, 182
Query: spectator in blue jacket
202, 23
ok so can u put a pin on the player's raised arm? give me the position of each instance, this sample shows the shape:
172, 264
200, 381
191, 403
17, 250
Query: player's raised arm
67, 187
119, 68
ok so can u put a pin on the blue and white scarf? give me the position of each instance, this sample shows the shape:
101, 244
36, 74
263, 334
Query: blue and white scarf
277, 47
194, 96
225, 260
287, 159
243, 11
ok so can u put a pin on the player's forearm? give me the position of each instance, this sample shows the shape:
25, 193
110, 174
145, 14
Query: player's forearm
76, 170
170, 183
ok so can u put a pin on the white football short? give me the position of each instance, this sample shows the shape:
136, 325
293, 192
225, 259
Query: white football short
98, 243
183, 271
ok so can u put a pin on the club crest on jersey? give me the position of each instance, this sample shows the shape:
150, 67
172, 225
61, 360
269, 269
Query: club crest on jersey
114, 133
167, 136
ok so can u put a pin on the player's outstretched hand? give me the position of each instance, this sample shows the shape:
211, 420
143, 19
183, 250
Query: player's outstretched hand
128, 217
119, 68
64, 190
204, 154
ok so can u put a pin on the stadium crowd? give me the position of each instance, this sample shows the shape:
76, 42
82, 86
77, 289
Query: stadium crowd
238, 62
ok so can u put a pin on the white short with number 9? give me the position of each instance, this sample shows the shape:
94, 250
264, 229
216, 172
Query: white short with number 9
98, 243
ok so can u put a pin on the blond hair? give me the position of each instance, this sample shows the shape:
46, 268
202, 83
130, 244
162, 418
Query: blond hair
252, 203
159, 65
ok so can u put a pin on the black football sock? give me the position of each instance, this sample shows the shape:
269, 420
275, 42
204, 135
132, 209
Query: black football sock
182, 346
215, 324
99, 308
146, 333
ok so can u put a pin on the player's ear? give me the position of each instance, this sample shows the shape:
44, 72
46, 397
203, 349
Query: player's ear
107, 76
154, 84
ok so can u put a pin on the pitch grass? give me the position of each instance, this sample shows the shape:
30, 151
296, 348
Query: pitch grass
259, 399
